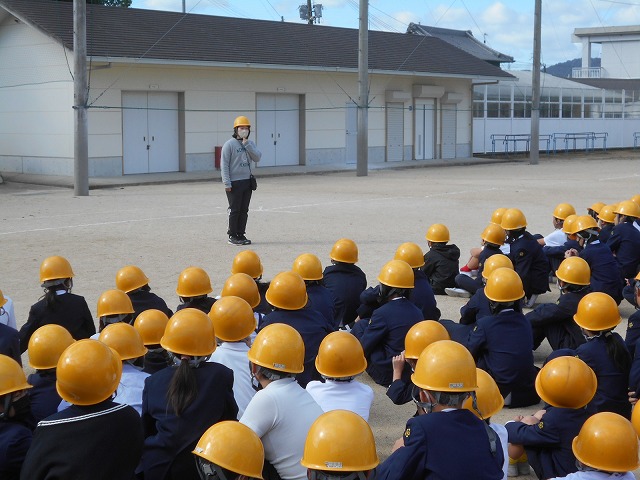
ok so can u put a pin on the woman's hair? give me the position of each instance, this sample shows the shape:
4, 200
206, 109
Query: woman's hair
50, 295
183, 388
617, 352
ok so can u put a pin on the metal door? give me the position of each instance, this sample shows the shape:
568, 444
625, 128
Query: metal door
135, 155
278, 129
449, 125
395, 132
424, 129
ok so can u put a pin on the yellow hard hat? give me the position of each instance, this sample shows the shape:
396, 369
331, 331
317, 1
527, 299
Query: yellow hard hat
488, 397
124, 339
189, 332
340, 441
287, 291
340, 355
569, 226
243, 286
585, 222
635, 418
130, 278
278, 347
411, 253
421, 335
344, 250
397, 274
628, 208
241, 121
513, 219
574, 270
563, 210
597, 311
445, 366
496, 216
114, 302
150, 324
232, 319
494, 262
88, 372
607, 442
3, 300
12, 377
566, 382
193, 282
438, 233
47, 344
494, 234
232, 446
596, 207
247, 262
308, 266
55, 268
607, 214
504, 285
636, 199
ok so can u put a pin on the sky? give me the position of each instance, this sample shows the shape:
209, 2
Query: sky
506, 26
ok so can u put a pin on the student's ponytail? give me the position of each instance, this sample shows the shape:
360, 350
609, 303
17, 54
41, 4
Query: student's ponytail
617, 352
183, 388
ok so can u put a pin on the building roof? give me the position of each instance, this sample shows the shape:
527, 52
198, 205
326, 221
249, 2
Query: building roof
167, 37
462, 39
605, 31
611, 83
524, 78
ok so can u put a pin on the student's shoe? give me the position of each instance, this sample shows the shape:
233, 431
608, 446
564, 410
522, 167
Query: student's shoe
512, 470
457, 292
466, 271
234, 241
530, 302
523, 468
244, 240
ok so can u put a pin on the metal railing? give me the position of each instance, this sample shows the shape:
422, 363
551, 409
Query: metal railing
588, 72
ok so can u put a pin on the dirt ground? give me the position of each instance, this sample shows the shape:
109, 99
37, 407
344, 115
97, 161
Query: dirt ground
165, 228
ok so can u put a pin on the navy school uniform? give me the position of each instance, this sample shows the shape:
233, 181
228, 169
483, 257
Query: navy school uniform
606, 276
444, 445
346, 281
633, 332
155, 360
471, 284
605, 232
441, 265
383, 336
322, 300
554, 321
530, 262
95, 441
548, 443
144, 300
312, 327
10, 343
502, 346
625, 244
70, 311
476, 308
422, 296
263, 307
634, 374
555, 255
15, 440
169, 439
43, 396
401, 391
203, 304
369, 301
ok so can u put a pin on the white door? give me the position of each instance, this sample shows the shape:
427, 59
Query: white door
424, 130
150, 132
395, 132
449, 125
351, 132
278, 130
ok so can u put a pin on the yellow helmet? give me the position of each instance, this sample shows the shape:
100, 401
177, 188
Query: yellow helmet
232, 446
496, 216
635, 418
150, 324
278, 347
574, 270
232, 319
563, 210
247, 262
193, 282
421, 335
488, 397
55, 268
243, 286
569, 225
438, 233
3, 300
566, 382
636, 199
308, 266
47, 344
445, 366
340, 355
124, 339
189, 332
596, 207
494, 262
585, 222
597, 311
504, 285
513, 219
607, 214
397, 274
241, 121
130, 278
340, 441
607, 442
494, 234
287, 291
88, 372
114, 302
344, 250
12, 377
628, 208
411, 253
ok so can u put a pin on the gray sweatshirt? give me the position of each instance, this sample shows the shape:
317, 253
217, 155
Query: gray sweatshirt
235, 160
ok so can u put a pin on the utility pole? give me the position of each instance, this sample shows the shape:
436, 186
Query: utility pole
362, 165
184, 6
310, 20
80, 94
534, 151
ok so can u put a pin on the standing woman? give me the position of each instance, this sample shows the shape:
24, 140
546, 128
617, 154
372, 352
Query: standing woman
237, 154
181, 402
59, 306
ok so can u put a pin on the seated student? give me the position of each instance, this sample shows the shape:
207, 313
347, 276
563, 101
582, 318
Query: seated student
625, 240
10, 343
554, 321
249, 263
557, 254
114, 306
422, 293
233, 324
45, 348
7, 313
132, 281
151, 324
442, 259
308, 266
15, 418
633, 325
194, 286
606, 222
419, 337
606, 448
229, 451
543, 440
529, 261
340, 359
339, 445
243, 286
492, 239
471, 267
558, 237
594, 210
502, 343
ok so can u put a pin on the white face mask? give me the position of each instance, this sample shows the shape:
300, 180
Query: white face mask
243, 132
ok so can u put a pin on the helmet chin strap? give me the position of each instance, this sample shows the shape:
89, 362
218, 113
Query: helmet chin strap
427, 407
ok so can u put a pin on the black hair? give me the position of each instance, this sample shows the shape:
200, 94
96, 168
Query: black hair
183, 387
617, 352
497, 307
51, 297
235, 132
